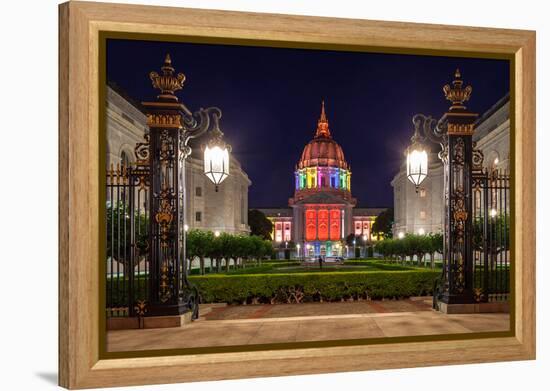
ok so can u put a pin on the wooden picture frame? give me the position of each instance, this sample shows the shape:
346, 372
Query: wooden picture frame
80, 361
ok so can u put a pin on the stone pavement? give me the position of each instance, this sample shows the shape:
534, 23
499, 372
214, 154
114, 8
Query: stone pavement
221, 312
305, 322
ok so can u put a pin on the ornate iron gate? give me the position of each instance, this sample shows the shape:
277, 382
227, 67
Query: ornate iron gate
128, 240
491, 235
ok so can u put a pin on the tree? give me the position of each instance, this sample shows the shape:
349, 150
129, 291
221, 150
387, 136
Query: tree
199, 245
229, 248
216, 251
435, 246
409, 246
259, 224
382, 247
268, 249
399, 248
383, 223
257, 248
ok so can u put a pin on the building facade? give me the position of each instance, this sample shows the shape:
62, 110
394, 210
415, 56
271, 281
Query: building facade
321, 214
422, 212
225, 210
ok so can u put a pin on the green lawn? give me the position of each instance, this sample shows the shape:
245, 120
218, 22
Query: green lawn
294, 266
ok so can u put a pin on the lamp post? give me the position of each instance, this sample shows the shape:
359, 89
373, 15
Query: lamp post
171, 126
417, 160
298, 250
216, 155
453, 132
365, 245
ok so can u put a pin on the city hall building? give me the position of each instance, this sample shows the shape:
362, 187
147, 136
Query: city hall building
322, 212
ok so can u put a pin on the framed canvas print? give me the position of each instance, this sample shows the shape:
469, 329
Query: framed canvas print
247, 195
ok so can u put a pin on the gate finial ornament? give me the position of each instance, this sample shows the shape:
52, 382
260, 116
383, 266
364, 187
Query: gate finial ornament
167, 83
456, 94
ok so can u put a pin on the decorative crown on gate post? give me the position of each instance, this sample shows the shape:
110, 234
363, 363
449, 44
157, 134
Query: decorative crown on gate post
168, 82
456, 94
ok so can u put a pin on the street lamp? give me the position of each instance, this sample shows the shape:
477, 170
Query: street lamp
401, 235
216, 155
217, 233
365, 244
186, 227
417, 160
298, 249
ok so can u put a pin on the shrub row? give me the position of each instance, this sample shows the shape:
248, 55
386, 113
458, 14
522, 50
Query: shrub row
380, 265
329, 286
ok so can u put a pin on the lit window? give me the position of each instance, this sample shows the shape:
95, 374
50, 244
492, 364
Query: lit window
287, 236
358, 228
278, 232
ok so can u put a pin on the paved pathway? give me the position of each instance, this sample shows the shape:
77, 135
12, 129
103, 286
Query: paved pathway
314, 309
283, 323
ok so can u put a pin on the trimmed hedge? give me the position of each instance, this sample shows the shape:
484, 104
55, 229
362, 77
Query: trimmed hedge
281, 264
326, 286
380, 265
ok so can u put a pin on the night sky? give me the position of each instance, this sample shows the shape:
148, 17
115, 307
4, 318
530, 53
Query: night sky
271, 100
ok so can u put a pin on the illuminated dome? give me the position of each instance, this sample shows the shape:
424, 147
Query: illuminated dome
323, 150
322, 167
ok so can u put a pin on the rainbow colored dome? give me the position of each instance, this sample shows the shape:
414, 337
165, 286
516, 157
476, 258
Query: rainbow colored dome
323, 150
322, 165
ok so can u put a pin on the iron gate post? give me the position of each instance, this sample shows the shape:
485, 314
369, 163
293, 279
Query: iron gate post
458, 161
165, 121
171, 126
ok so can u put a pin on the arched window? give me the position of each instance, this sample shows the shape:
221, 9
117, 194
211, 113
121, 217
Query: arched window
493, 160
124, 160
